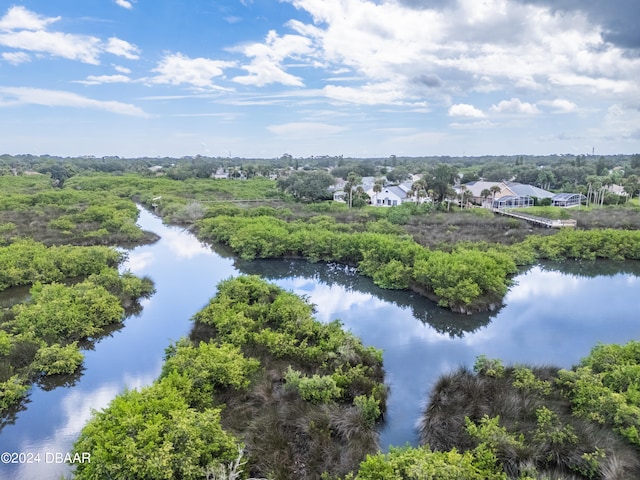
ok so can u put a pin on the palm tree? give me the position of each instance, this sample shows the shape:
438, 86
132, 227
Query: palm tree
465, 197
631, 186
486, 193
461, 195
352, 182
377, 188
419, 189
494, 190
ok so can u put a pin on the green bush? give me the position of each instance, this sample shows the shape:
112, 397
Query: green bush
153, 434
605, 388
58, 313
369, 406
57, 359
209, 368
12, 391
5, 343
315, 389
27, 262
422, 463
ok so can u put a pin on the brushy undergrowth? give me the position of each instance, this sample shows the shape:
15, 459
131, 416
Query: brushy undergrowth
537, 420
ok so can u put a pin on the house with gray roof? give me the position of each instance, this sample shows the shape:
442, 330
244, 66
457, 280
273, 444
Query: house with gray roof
390, 196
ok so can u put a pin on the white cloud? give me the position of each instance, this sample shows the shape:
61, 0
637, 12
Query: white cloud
121, 69
267, 64
560, 105
124, 4
469, 46
99, 79
472, 125
304, 129
122, 48
57, 98
176, 69
619, 123
465, 110
26, 30
384, 93
138, 262
19, 18
15, 58
73, 47
185, 246
515, 106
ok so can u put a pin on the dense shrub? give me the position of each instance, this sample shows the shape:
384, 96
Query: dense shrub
540, 422
588, 245
605, 388
27, 262
12, 391
422, 463
154, 434
56, 359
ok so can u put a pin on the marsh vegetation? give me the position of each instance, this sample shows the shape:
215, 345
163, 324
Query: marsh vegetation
300, 397
258, 373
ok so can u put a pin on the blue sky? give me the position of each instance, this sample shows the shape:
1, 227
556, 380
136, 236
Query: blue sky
258, 78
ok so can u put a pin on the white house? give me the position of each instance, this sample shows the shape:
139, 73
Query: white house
390, 197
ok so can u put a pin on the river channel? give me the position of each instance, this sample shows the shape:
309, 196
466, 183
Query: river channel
554, 314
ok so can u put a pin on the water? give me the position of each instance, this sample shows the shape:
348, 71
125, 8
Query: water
549, 317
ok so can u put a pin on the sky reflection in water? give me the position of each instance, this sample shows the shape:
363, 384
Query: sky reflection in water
548, 318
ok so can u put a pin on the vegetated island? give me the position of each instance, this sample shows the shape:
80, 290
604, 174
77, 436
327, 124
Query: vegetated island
259, 388
77, 293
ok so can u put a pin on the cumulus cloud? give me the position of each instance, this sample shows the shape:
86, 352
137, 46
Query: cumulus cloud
121, 69
83, 48
25, 30
515, 106
19, 18
177, 69
523, 47
385, 93
58, 98
124, 4
122, 48
620, 122
617, 17
267, 60
465, 110
560, 105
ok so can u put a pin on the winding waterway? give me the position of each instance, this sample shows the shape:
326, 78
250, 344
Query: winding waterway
553, 315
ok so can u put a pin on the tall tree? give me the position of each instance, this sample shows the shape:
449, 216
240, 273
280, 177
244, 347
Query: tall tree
353, 180
485, 193
419, 189
441, 179
307, 186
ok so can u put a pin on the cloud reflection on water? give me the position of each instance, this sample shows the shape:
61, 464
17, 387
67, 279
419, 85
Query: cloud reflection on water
184, 245
549, 317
